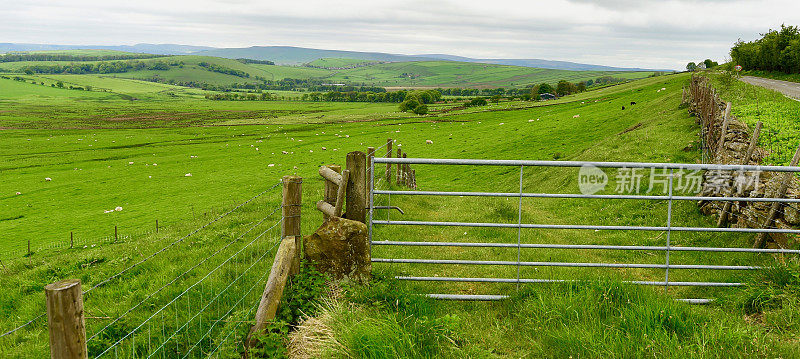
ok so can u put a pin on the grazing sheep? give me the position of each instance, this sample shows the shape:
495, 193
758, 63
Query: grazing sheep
576, 116
324, 149
623, 108
429, 142
285, 153
19, 193
118, 209
633, 103
271, 165
47, 179
187, 175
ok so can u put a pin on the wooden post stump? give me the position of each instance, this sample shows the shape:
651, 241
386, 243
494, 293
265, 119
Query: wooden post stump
65, 320
388, 165
331, 188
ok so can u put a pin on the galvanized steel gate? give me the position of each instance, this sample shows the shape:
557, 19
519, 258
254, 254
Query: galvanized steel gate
668, 228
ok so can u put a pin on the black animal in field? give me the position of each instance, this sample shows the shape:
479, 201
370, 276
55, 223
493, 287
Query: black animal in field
623, 108
633, 103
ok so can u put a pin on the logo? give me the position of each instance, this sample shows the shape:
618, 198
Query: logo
591, 179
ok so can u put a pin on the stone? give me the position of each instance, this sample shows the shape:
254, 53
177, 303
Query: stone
340, 248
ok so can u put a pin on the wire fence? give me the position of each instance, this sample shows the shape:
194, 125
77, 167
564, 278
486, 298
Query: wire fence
184, 314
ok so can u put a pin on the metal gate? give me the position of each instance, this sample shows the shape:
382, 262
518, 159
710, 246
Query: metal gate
669, 174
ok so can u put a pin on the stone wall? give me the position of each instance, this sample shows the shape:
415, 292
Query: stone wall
704, 102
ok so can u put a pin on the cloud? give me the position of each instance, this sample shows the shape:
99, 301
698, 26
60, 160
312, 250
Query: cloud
642, 33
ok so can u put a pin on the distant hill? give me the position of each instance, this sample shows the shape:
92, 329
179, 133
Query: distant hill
539, 63
159, 49
291, 55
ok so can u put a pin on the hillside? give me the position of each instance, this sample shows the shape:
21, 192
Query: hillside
188, 70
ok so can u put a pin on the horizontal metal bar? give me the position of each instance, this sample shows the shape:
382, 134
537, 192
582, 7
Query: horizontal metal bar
561, 264
524, 280
583, 196
576, 226
585, 246
695, 300
687, 166
481, 297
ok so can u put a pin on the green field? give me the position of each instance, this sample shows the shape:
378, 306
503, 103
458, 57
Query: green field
130, 144
338, 62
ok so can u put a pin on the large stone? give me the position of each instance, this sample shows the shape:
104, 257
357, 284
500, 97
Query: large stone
340, 248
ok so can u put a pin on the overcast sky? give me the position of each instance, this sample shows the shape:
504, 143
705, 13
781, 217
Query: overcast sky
640, 33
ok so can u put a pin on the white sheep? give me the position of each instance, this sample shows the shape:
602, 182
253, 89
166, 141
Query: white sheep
429, 142
47, 179
188, 175
19, 193
118, 209
576, 116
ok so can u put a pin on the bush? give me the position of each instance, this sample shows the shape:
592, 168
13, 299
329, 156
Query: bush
421, 110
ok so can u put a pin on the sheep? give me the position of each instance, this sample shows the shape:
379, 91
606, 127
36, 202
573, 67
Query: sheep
118, 209
187, 175
429, 142
47, 179
633, 103
19, 193
576, 116
623, 108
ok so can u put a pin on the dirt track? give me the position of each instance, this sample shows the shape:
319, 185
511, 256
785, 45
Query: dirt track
790, 89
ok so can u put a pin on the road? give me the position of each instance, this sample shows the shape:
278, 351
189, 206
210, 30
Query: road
790, 89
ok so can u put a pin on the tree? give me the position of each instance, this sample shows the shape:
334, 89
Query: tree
421, 110
691, 66
710, 64
545, 88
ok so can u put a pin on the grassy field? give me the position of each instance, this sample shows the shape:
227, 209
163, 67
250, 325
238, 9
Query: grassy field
126, 156
338, 62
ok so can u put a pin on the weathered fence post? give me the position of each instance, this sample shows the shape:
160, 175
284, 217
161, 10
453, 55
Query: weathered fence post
776, 206
723, 217
389, 165
290, 208
399, 166
331, 189
65, 320
370, 156
725, 121
29, 248
156, 226
115, 234
71, 240
356, 187
414, 179
276, 282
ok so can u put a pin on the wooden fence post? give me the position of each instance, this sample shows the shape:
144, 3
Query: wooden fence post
414, 179
276, 282
370, 176
723, 217
65, 320
331, 189
388, 165
399, 166
356, 203
725, 122
156, 226
71, 240
290, 208
29, 248
776, 206
115, 234
406, 170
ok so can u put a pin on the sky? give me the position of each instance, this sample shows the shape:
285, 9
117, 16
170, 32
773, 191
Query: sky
663, 34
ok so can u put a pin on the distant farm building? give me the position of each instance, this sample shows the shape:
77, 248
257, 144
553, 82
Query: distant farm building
547, 96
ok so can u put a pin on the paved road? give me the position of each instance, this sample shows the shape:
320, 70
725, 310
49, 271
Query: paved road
790, 89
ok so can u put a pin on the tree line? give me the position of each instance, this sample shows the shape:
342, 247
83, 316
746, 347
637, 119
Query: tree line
17, 57
776, 50
223, 70
251, 61
100, 67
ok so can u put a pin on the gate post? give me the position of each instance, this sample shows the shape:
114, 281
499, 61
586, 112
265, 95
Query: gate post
356, 186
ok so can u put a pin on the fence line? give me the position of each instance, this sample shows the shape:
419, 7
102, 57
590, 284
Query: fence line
163, 249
